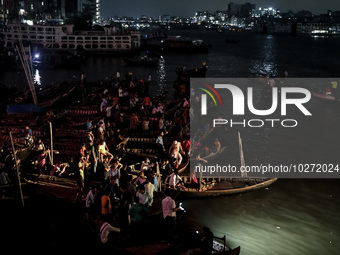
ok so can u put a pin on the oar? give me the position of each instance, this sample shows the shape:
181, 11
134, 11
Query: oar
17, 167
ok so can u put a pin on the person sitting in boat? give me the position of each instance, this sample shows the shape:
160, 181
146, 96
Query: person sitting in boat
176, 181
41, 146
206, 243
105, 229
216, 146
328, 91
175, 151
4, 179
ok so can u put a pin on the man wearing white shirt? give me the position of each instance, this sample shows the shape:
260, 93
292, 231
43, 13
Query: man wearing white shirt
169, 215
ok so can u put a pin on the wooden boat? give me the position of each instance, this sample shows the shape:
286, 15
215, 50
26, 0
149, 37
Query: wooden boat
184, 45
225, 187
56, 187
222, 187
327, 97
141, 61
185, 163
51, 102
212, 156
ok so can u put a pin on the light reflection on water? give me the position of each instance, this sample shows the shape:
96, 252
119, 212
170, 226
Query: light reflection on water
37, 77
267, 61
161, 74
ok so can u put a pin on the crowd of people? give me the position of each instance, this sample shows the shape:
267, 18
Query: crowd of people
114, 197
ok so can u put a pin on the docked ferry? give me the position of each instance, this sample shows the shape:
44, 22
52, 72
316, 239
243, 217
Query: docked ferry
64, 37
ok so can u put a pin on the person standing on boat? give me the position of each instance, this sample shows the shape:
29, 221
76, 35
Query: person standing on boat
334, 86
83, 150
41, 158
29, 130
28, 139
118, 76
138, 214
106, 210
90, 201
150, 189
106, 167
160, 143
144, 196
80, 175
134, 121
146, 165
101, 130
141, 179
186, 146
115, 170
165, 169
175, 152
103, 150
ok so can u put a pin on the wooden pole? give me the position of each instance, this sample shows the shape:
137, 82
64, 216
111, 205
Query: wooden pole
17, 167
28, 71
51, 143
243, 163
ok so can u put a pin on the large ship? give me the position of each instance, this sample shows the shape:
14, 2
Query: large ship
65, 38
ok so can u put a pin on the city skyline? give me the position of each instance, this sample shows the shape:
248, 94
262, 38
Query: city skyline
152, 8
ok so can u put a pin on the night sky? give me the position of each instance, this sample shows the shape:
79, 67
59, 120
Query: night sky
186, 8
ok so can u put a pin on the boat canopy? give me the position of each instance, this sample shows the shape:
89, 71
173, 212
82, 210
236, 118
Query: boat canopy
24, 108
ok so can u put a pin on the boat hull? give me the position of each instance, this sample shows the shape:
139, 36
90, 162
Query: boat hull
218, 193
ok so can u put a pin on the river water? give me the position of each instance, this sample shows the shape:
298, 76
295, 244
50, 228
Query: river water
292, 216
